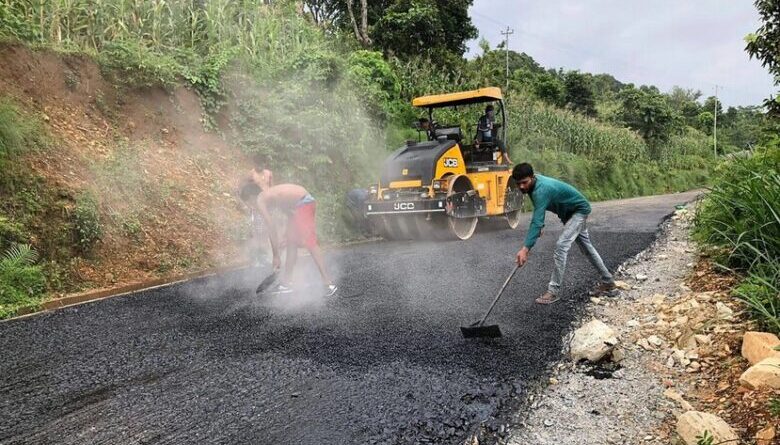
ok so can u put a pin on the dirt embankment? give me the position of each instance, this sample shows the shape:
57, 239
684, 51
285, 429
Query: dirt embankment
164, 187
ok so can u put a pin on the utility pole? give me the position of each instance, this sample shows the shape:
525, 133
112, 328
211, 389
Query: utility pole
715, 125
506, 35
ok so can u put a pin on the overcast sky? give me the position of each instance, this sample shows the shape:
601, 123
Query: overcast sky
691, 43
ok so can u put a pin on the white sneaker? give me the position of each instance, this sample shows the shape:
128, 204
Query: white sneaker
282, 289
330, 290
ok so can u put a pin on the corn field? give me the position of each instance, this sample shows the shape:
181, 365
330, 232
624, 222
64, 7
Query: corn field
542, 127
262, 34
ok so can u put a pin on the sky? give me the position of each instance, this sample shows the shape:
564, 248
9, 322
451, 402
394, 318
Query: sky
694, 44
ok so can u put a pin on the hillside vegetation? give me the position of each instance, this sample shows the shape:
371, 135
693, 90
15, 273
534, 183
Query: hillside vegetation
299, 86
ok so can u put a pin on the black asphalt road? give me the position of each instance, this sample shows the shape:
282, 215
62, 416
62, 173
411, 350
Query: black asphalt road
381, 362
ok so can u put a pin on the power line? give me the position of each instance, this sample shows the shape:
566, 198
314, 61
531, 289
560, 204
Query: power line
506, 35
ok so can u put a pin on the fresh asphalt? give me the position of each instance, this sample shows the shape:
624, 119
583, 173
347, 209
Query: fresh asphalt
383, 361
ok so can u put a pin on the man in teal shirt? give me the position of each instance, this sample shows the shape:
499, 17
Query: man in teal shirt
573, 210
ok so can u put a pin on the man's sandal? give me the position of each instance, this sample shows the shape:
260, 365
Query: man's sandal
547, 298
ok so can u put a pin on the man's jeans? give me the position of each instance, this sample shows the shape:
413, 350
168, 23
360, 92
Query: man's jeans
575, 230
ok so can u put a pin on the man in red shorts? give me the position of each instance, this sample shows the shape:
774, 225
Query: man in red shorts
300, 207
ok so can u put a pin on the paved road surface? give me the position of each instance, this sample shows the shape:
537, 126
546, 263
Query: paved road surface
382, 362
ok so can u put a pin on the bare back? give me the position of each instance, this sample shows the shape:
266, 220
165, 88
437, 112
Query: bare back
283, 196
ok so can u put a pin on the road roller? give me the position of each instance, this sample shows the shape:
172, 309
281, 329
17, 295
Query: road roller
441, 185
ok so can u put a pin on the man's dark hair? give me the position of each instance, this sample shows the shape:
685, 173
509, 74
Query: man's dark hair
248, 191
522, 171
489, 108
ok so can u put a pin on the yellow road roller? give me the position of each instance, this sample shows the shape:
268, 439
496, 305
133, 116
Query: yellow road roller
440, 187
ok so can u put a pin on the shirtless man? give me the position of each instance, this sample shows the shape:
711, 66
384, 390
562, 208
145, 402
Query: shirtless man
299, 206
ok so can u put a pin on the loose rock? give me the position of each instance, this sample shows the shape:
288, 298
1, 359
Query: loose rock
765, 436
692, 424
677, 397
592, 341
757, 346
724, 312
764, 374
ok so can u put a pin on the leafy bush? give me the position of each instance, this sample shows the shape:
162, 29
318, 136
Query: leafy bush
13, 23
132, 63
740, 217
86, 222
21, 281
11, 232
369, 71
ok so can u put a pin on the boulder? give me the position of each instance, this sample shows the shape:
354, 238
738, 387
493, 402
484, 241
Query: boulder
757, 346
694, 423
592, 341
764, 374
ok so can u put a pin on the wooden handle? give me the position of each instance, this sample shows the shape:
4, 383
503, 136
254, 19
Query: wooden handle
508, 279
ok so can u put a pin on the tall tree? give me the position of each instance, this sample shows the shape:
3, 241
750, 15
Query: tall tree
764, 45
579, 93
647, 111
322, 12
429, 28
361, 32
686, 102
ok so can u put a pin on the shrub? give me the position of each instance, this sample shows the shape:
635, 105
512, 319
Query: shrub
134, 64
86, 222
11, 232
740, 217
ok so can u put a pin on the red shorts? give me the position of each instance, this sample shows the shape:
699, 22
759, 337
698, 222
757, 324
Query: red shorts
301, 228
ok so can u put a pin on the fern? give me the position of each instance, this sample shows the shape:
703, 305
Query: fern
19, 255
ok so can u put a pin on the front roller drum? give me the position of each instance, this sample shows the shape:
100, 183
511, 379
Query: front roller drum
463, 210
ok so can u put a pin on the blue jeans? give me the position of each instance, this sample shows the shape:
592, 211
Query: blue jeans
575, 229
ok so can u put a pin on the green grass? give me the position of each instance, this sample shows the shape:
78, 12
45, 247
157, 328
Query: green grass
19, 132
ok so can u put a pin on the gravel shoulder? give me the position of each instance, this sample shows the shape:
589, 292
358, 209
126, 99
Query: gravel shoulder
623, 403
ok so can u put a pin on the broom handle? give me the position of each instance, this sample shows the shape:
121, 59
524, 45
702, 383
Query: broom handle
499, 294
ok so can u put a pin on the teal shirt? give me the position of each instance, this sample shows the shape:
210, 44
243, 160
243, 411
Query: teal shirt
557, 197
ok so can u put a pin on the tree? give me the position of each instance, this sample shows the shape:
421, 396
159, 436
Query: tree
550, 89
647, 111
436, 29
686, 103
323, 12
361, 33
713, 105
579, 93
605, 85
763, 45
